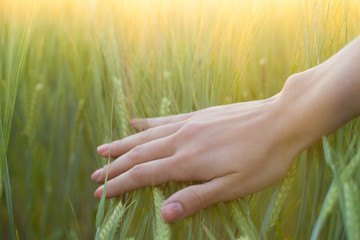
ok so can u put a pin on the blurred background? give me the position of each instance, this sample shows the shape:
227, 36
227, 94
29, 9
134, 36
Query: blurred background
72, 74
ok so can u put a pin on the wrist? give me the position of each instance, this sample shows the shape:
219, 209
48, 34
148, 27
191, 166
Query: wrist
320, 100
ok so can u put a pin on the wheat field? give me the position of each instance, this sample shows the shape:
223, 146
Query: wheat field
73, 73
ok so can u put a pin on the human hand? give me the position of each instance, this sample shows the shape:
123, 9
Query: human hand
235, 150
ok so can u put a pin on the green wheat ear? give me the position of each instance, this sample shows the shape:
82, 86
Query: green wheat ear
33, 113
332, 195
78, 121
120, 108
162, 231
165, 107
283, 193
242, 219
243, 238
352, 209
112, 224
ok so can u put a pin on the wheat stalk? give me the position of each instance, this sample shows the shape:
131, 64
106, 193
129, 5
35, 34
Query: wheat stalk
333, 193
332, 196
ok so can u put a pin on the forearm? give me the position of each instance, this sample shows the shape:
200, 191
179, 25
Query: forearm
322, 99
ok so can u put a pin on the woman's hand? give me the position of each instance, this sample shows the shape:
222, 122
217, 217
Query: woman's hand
235, 149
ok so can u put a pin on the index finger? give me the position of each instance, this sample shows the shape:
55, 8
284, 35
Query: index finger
146, 123
119, 147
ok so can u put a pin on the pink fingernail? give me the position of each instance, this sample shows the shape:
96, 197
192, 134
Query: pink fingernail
103, 148
133, 123
96, 176
172, 211
99, 191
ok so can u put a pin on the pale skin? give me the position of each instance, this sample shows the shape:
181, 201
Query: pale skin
235, 149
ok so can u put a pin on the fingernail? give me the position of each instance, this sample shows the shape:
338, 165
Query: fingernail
98, 192
172, 211
133, 123
96, 176
103, 148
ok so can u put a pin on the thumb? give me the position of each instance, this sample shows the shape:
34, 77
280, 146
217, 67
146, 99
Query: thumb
192, 199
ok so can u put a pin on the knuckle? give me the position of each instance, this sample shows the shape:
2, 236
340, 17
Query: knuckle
137, 173
189, 155
165, 120
135, 154
195, 197
145, 136
178, 158
175, 118
172, 140
191, 128
183, 164
106, 169
181, 158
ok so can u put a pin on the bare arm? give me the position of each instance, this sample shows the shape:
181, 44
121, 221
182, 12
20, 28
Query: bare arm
325, 97
235, 149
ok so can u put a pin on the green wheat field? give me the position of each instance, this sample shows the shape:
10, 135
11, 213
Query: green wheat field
74, 72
